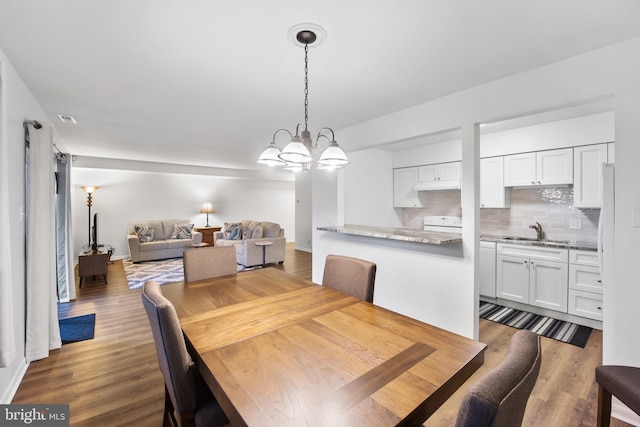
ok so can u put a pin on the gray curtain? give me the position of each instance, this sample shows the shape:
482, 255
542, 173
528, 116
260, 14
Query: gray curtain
64, 240
42, 331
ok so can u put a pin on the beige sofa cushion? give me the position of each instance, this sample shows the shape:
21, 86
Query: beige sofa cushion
153, 246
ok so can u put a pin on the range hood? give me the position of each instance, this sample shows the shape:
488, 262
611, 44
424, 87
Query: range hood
449, 184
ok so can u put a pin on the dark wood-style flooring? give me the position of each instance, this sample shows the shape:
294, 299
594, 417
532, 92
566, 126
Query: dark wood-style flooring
114, 380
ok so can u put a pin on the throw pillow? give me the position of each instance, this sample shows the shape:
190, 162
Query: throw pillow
144, 232
247, 229
257, 232
182, 231
271, 229
232, 231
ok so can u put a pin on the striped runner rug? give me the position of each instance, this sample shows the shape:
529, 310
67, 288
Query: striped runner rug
546, 326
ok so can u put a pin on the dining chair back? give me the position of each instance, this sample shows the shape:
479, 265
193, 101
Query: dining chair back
499, 399
622, 382
211, 261
352, 276
186, 394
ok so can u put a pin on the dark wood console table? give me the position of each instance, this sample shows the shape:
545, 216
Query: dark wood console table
93, 263
207, 233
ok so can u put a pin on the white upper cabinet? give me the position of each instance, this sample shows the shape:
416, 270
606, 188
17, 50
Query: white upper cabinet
587, 175
493, 194
520, 169
404, 193
439, 172
552, 167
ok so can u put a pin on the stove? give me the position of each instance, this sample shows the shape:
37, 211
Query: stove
446, 224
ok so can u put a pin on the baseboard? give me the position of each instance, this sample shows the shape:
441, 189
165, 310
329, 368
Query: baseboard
303, 248
621, 412
14, 383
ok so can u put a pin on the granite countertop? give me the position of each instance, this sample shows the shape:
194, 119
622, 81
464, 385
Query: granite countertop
565, 244
403, 234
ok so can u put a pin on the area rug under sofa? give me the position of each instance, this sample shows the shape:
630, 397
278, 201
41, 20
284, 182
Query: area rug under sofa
162, 271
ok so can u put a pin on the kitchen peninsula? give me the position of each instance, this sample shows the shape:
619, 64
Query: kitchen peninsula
420, 274
402, 234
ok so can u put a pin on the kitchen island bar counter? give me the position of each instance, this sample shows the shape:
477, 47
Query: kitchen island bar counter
391, 233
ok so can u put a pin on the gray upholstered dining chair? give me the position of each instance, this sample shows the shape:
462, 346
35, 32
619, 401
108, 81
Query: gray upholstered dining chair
211, 261
622, 382
186, 394
352, 276
499, 399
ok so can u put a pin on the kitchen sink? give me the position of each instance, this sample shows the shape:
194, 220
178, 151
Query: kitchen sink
526, 239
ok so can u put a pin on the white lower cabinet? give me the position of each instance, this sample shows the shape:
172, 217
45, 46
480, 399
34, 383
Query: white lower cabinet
532, 275
585, 285
488, 269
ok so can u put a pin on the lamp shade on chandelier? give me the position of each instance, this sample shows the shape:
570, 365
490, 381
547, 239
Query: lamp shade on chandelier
298, 154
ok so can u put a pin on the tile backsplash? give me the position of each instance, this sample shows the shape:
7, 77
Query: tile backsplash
552, 207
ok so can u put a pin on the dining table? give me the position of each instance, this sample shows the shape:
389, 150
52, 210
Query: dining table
279, 350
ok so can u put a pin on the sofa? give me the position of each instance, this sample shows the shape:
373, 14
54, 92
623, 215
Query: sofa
160, 239
245, 234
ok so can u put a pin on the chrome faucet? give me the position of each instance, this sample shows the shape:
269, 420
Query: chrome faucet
538, 229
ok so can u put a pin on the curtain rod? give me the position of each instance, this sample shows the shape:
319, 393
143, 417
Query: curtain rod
36, 124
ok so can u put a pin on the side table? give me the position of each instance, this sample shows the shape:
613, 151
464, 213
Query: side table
93, 263
264, 244
207, 233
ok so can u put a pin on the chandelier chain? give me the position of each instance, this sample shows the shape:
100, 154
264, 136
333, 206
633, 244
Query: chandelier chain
306, 85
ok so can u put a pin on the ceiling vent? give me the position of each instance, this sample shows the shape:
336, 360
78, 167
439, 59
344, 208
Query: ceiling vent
65, 118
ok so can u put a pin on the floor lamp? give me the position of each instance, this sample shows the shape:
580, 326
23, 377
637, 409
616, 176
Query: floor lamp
89, 189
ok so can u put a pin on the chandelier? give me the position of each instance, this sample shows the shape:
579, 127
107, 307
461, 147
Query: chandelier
298, 153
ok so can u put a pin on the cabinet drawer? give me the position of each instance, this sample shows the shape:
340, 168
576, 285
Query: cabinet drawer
585, 304
533, 252
584, 257
584, 278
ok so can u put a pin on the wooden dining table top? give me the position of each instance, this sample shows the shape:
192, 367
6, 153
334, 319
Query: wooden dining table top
277, 350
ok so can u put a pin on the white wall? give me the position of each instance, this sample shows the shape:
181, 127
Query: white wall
590, 129
611, 71
127, 196
440, 152
304, 236
21, 105
368, 180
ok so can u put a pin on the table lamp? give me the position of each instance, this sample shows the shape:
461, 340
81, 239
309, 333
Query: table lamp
207, 208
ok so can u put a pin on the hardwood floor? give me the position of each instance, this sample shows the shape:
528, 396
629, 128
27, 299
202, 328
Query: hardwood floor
114, 380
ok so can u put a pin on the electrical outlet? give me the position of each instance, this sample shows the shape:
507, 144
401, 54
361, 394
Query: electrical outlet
575, 224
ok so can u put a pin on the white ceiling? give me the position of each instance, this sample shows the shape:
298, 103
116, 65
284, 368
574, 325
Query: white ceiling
205, 82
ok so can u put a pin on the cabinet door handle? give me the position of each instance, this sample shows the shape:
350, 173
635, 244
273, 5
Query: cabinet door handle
539, 182
533, 182
599, 281
599, 308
